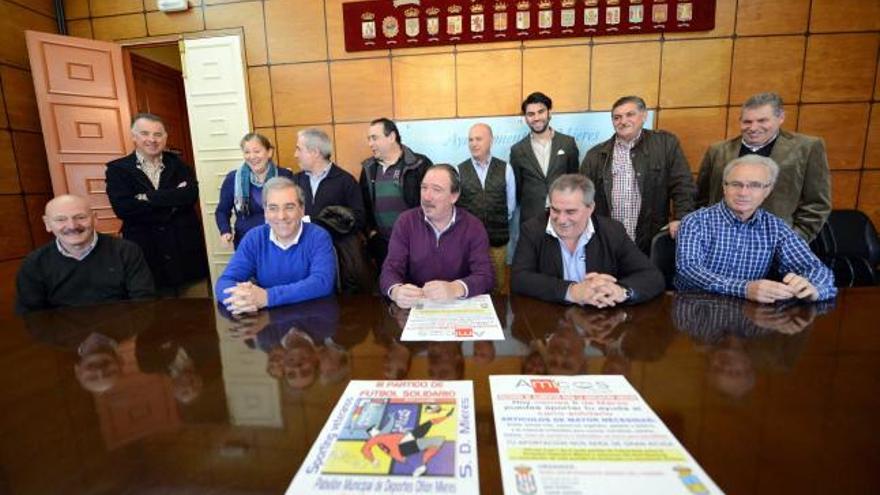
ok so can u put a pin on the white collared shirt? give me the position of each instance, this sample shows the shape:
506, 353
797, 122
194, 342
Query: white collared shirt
573, 263
315, 179
282, 245
65, 252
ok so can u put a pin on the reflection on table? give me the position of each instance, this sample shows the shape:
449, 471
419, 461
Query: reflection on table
177, 396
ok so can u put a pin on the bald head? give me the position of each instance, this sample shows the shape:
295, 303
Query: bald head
71, 220
480, 141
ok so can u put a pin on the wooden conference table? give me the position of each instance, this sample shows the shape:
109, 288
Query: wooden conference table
171, 396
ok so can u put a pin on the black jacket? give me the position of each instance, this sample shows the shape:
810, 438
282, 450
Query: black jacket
662, 172
537, 265
165, 226
414, 167
338, 188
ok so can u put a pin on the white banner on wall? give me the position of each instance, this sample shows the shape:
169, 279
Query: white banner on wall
446, 140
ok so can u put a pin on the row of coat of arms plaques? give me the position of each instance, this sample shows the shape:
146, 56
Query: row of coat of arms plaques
379, 24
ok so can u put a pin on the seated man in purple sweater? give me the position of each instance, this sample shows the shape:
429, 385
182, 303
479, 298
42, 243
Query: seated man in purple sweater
283, 262
437, 251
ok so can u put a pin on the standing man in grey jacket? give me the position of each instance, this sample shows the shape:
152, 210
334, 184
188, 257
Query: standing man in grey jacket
539, 158
637, 172
802, 194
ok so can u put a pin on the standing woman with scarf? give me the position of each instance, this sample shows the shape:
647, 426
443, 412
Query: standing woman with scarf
242, 189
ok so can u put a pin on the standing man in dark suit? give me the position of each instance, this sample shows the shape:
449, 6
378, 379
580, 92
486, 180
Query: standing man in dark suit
576, 257
637, 173
801, 196
153, 192
539, 158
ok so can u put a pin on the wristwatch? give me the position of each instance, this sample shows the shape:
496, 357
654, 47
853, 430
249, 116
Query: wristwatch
627, 292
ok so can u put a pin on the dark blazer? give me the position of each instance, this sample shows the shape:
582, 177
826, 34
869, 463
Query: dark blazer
662, 173
537, 265
337, 189
531, 183
165, 226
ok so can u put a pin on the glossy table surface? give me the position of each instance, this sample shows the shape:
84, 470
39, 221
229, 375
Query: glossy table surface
173, 396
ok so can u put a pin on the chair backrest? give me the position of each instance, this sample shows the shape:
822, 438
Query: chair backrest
663, 256
854, 235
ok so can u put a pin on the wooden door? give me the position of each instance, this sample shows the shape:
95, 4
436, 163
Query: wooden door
159, 90
217, 101
84, 112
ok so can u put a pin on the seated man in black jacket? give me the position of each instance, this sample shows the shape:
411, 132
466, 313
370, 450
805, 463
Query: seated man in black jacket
579, 258
80, 266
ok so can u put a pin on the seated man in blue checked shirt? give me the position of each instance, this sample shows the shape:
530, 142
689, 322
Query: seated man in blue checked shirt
735, 248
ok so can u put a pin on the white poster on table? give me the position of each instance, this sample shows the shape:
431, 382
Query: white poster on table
396, 436
453, 320
588, 434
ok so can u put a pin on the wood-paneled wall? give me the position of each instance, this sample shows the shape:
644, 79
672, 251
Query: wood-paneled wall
820, 55
24, 173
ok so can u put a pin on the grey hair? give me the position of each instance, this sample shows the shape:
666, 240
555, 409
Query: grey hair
278, 183
316, 139
152, 117
761, 99
768, 163
637, 100
574, 182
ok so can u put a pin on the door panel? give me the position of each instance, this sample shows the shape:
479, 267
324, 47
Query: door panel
84, 112
217, 101
159, 90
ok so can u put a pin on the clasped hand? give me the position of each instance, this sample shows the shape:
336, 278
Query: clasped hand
245, 297
407, 295
597, 289
792, 286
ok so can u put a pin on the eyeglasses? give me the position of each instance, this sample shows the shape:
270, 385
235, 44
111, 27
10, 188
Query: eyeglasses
749, 186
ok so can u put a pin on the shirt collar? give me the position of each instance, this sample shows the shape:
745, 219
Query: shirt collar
628, 144
285, 246
478, 163
754, 148
65, 252
535, 140
322, 174
585, 235
439, 232
728, 215
142, 161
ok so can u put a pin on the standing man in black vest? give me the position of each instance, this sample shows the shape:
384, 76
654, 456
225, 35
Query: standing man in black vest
539, 158
488, 190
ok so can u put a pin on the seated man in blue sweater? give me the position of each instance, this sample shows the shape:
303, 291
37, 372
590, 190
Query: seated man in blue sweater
283, 262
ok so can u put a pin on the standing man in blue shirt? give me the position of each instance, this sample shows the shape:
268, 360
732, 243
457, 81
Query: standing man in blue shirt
736, 248
288, 260
488, 190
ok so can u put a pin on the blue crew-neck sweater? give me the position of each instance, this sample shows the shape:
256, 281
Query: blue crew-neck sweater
306, 270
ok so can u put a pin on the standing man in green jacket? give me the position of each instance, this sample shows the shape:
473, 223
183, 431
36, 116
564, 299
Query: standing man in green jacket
390, 181
802, 194
637, 172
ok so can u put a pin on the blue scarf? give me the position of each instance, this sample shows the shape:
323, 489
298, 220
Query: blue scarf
244, 179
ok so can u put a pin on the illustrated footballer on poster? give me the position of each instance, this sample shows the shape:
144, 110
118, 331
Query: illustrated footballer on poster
395, 437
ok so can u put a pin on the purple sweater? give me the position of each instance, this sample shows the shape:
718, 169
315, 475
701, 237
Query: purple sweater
415, 256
